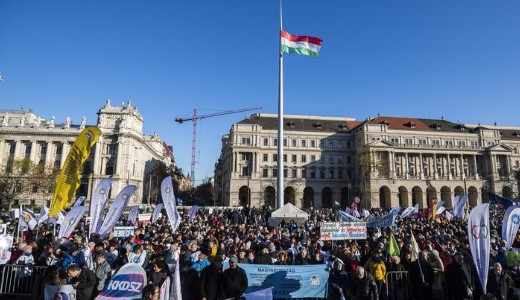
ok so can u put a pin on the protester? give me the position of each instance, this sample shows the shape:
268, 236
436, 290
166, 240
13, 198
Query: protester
210, 280
460, 279
83, 280
338, 282
102, 270
499, 283
234, 280
363, 286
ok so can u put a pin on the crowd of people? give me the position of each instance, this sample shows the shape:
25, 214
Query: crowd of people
359, 269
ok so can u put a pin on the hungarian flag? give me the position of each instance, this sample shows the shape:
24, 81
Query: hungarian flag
306, 45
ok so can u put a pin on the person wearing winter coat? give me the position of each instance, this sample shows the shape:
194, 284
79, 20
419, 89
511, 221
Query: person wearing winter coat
201, 263
499, 283
363, 286
102, 271
459, 279
210, 280
338, 280
83, 280
421, 276
375, 265
234, 280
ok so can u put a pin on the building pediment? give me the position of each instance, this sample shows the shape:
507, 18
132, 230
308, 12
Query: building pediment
381, 143
499, 148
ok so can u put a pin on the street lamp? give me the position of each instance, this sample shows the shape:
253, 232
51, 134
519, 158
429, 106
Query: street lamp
349, 186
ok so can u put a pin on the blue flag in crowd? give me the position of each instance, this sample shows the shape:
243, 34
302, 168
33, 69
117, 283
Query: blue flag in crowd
498, 200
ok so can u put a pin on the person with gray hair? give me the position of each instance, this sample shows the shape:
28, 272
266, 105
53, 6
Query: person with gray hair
499, 282
363, 285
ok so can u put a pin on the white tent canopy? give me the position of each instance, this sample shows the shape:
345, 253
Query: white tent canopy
288, 212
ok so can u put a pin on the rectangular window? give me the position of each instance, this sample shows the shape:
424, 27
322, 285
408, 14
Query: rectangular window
394, 141
59, 149
340, 160
285, 142
294, 158
436, 142
313, 173
294, 141
275, 172
331, 173
266, 142
422, 142
313, 158
294, 173
448, 143
275, 157
246, 141
340, 173
244, 156
304, 158
408, 141
322, 143
265, 157
304, 143
304, 173
339, 145
275, 142
112, 149
322, 173
285, 173
43, 149
331, 144
331, 160
285, 158
265, 172
313, 144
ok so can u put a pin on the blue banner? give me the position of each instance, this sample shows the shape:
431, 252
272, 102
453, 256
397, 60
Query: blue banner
291, 281
386, 220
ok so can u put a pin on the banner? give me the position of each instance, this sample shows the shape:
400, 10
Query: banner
79, 201
365, 213
68, 181
386, 220
132, 214
53, 292
193, 211
498, 200
98, 203
116, 209
343, 231
44, 214
265, 294
3, 229
123, 231
156, 212
512, 259
354, 205
290, 281
6, 244
165, 289
449, 216
28, 217
510, 224
71, 221
169, 203
433, 208
440, 210
407, 212
458, 205
345, 217
479, 240
127, 283
176, 290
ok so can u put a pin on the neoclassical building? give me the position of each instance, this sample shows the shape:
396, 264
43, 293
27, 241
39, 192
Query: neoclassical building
122, 151
386, 161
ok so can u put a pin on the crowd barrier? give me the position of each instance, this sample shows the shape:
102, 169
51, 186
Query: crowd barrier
19, 280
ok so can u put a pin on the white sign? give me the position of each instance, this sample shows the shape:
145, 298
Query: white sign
59, 292
123, 231
6, 242
343, 231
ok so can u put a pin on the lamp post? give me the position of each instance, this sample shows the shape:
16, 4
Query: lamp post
349, 186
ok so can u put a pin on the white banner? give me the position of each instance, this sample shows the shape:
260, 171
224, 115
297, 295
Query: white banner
126, 284
79, 201
343, 231
97, 204
156, 212
71, 220
132, 214
449, 216
440, 210
479, 240
175, 291
458, 205
346, 217
6, 243
169, 203
193, 211
116, 209
165, 289
407, 212
53, 292
510, 224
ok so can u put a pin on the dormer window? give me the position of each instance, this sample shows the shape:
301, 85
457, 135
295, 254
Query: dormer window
436, 126
291, 124
343, 126
317, 125
461, 127
410, 124
385, 122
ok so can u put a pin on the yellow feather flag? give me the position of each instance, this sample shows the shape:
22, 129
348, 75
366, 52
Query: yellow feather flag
393, 247
69, 180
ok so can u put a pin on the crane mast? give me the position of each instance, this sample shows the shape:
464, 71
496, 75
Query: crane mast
194, 119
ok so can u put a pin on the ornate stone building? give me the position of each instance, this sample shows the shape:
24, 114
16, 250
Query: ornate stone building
387, 161
122, 151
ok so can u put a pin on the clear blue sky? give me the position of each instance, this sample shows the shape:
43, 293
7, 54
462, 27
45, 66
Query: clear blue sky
454, 59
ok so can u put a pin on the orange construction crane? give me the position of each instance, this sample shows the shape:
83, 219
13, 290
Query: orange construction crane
194, 131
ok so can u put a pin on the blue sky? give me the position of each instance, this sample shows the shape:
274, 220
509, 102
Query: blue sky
412, 58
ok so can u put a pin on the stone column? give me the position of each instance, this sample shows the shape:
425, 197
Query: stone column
450, 176
407, 171
435, 174
475, 169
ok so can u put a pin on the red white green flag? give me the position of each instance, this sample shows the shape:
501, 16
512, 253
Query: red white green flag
306, 45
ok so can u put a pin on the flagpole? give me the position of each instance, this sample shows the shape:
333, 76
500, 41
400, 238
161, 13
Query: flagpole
280, 192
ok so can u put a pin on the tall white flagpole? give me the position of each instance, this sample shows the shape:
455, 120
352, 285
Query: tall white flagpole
280, 191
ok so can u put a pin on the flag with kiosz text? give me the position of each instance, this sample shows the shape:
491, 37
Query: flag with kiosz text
127, 283
305, 45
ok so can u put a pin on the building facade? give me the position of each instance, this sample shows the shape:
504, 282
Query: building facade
122, 152
386, 161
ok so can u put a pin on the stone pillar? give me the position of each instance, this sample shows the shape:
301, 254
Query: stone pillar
407, 171
435, 174
421, 166
475, 169
450, 177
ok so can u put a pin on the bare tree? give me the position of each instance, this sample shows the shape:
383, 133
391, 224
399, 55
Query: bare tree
13, 179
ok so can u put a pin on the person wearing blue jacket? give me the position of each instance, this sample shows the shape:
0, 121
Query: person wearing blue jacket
201, 263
